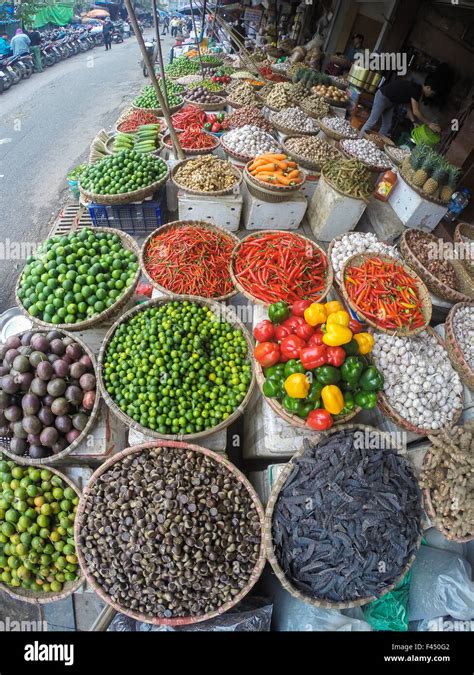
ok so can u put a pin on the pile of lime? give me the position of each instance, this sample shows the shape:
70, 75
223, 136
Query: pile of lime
76, 277
37, 511
181, 66
177, 368
148, 99
125, 171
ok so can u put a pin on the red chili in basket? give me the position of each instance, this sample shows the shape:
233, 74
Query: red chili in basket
280, 266
194, 139
136, 119
384, 292
188, 116
191, 260
268, 74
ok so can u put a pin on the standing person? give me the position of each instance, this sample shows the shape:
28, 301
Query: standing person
20, 43
166, 25
107, 31
397, 92
5, 49
35, 40
174, 26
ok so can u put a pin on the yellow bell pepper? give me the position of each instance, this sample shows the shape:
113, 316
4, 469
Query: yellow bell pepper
333, 399
333, 306
340, 318
315, 314
336, 335
365, 342
297, 385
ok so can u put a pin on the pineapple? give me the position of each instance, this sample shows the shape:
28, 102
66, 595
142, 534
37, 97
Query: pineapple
447, 190
421, 175
417, 158
437, 179
406, 167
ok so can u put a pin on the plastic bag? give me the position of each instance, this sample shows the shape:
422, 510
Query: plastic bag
440, 585
390, 611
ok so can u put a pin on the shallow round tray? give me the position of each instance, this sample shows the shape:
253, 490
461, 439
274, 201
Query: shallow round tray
304, 161
128, 243
256, 235
310, 113
206, 106
462, 232
423, 294
379, 140
456, 355
371, 167
200, 151
219, 310
82, 512
268, 536
292, 132
336, 135
279, 189
244, 158
94, 413
183, 224
126, 197
160, 121
388, 151
159, 111
69, 587
230, 190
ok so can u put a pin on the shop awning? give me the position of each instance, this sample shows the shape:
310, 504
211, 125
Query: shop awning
59, 14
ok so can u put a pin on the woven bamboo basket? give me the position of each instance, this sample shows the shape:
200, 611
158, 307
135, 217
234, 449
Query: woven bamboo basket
433, 283
128, 243
287, 131
455, 354
388, 410
53, 459
182, 620
341, 192
308, 242
303, 161
419, 191
38, 597
160, 121
334, 134
206, 106
371, 167
312, 114
183, 223
378, 139
264, 195
159, 111
388, 151
214, 63
358, 259
268, 536
279, 189
431, 512
220, 310
294, 420
126, 197
234, 188
201, 151
110, 145
335, 103
462, 232
237, 106
243, 158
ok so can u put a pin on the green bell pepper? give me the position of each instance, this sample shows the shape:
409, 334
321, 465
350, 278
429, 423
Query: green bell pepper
306, 408
292, 405
328, 375
272, 387
293, 366
351, 370
275, 371
349, 403
207, 126
351, 348
314, 394
366, 399
278, 312
371, 379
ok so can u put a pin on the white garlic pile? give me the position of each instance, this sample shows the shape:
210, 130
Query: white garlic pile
250, 141
295, 118
366, 151
463, 325
420, 382
357, 242
340, 126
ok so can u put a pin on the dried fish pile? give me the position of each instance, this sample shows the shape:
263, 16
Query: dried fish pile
449, 475
347, 520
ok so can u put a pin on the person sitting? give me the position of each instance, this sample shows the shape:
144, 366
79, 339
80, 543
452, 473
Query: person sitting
20, 43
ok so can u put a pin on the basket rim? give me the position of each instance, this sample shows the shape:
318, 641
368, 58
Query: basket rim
287, 131
419, 191
127, 197
236, 155
336, 135
216, 193
422, 290
269, 196
234, 104
268, 539
262, 233
375, 168
464, 229
279, 189
387, 408
136, 449
127, 242
159, 111
53, 459
345, 194
206, 106
218, 309
388, 151
435, 285
455, 353
199, 151
174, 224
311, 113
68, 587
302, 160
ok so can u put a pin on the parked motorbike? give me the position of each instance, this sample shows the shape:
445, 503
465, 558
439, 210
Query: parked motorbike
152, 51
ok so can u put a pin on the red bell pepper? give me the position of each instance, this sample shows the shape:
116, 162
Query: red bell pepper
267, 354
290, 347
304, 330
211, 117
355, 326
264, 331
216, 127
316, 338
298, 307
281, 332
293, 322
313, 357
319, 419
335, 356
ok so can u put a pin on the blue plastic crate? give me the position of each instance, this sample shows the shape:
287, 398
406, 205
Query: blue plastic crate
134, 219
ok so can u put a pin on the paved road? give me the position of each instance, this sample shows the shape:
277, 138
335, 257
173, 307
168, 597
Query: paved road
46, 126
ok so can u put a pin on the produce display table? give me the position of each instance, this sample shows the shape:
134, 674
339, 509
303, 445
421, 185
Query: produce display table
225, 210
331, 213
413, 209
261, 215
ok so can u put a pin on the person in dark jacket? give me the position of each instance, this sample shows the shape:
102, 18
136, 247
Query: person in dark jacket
107, 31
35, 48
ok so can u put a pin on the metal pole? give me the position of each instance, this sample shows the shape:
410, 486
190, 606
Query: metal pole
104, 620
166, 113
158, 44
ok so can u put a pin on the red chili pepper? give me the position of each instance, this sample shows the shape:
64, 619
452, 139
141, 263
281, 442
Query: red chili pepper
319, 419
264, 331
136, 119
313, 357
291, 345
267, 354
336, 356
